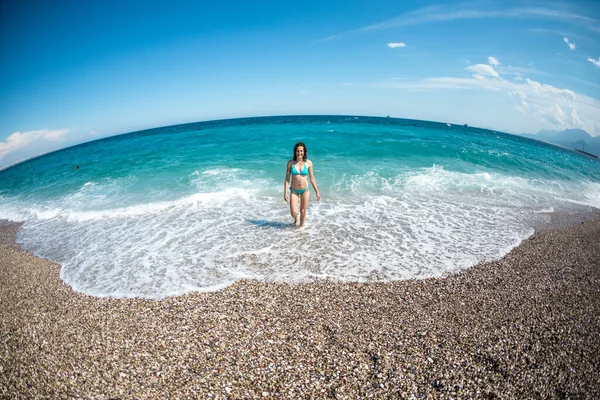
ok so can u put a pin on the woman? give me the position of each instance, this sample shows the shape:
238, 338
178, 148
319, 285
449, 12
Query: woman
299, 168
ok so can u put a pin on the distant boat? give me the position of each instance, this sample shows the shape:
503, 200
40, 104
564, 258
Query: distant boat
586, 153
448, 124
465, 125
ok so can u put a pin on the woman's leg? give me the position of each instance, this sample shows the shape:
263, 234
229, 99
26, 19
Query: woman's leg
303, 203
294, 206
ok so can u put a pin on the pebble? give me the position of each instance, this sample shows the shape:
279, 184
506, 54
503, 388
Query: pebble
525, 326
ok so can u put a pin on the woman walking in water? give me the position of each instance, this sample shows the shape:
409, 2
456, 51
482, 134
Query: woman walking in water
300, 167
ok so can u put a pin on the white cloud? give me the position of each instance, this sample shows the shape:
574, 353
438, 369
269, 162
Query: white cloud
521, 98
493, 61
549, 90
545, 106
595, 62
21, 139
556, 115
395, 45
571, 45
553, 114
556, 108
483, 69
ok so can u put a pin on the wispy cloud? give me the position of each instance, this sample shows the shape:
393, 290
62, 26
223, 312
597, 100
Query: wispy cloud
483, 69
396, 45
552, 32
595, 62
571, 45
585, 82
519, 71
21, 139
436, 14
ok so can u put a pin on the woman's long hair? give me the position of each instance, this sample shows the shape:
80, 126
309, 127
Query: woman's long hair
305, 151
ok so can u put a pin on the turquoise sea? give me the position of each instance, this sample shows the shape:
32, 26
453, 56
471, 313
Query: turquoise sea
196, 207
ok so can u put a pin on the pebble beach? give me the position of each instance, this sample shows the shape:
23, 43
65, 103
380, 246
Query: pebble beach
525, 326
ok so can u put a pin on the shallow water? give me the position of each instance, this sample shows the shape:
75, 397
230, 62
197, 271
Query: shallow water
196, 207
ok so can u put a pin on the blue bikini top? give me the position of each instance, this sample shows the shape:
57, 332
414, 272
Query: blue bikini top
303, 172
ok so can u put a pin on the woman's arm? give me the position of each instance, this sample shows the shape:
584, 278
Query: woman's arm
286, 185
313, 181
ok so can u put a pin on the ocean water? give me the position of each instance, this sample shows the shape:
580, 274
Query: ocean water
196, 207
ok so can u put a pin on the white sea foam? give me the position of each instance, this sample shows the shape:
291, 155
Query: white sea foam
545, 210
370, 226
219, 171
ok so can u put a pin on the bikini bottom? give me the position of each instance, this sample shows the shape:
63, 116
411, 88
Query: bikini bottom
299, 191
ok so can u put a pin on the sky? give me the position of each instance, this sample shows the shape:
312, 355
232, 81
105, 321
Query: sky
75, 71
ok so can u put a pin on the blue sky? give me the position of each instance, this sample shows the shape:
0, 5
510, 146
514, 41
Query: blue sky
74, 71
